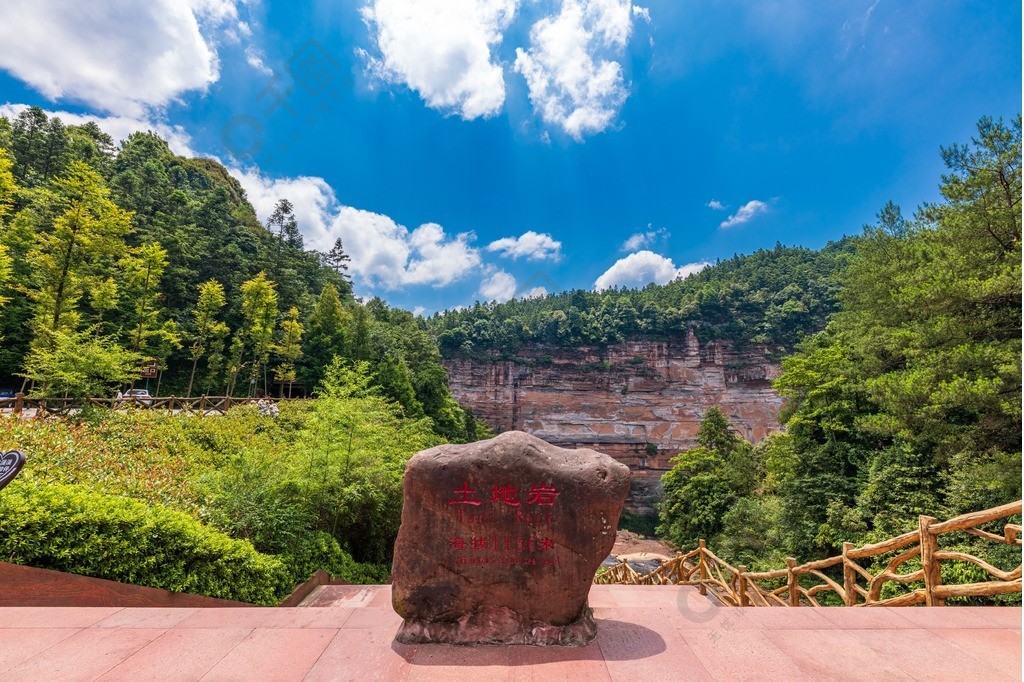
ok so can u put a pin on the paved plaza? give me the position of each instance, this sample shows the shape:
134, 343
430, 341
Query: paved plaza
646, 633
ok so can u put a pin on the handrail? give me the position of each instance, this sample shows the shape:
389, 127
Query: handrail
736, 586
203, 404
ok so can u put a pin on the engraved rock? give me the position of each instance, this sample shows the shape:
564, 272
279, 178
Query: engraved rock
500, 541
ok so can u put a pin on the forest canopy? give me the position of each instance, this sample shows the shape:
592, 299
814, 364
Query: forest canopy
116, 255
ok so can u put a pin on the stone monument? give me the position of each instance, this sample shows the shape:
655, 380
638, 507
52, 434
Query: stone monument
500, 540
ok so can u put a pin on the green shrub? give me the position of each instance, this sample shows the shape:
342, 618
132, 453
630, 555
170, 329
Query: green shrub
69, 528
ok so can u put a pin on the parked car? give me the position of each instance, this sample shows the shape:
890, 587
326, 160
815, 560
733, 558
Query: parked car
7, 392
138, 395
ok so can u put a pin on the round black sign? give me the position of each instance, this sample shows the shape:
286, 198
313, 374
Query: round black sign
10, 464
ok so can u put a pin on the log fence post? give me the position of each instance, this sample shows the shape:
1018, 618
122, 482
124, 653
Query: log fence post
849, 576
702, 567
741, 585
792, 583
19, 402
929, 564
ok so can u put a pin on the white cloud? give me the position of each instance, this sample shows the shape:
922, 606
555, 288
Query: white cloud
530, 245
642, 268
746, 212
256, 59
636, 270
685, 271
120, 56
642, 13
715, 205
500, 287
641, 240
442, 50
383, 252
570, 66
118, 127
536, 292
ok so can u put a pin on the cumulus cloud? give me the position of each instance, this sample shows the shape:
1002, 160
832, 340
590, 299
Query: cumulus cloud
641, 240
747, 212
121, 56
499, 286
529, 245
442, 51
118, 127
685, 271
575, 81
642, 268
715, 205
535, 292
384, 253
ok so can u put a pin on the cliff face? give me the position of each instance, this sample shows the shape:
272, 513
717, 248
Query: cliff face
638, 401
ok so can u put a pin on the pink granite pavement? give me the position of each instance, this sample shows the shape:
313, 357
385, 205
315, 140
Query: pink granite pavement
646, 633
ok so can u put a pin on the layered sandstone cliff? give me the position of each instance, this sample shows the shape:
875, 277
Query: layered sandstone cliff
639, 401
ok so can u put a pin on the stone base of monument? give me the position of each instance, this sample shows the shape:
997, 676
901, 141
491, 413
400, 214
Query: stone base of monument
499, 625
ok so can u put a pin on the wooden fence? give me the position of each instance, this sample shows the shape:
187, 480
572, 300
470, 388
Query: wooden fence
804, 584
205, 404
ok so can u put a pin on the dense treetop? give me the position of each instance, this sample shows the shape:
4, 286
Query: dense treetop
773, 297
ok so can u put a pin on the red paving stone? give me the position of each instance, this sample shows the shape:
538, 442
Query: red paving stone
644, 633
819, 653
945, 662
17, 646
273, 654
85, 655
178, 655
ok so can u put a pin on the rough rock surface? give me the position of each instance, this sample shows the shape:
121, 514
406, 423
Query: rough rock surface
638, 401
500, 541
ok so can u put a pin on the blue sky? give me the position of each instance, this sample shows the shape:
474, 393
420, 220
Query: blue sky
480, 149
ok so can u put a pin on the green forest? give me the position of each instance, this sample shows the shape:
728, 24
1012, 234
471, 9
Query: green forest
908, 402
773, 297
114, 256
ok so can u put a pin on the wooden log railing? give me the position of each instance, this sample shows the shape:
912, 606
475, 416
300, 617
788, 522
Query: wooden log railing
851, 583
204, 404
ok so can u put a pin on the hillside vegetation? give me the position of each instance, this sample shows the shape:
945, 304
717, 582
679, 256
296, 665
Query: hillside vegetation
112, 256
907, 403
774, 297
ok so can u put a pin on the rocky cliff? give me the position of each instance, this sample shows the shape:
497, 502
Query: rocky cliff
639, 401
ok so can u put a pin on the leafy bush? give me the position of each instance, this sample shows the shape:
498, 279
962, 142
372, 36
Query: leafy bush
69, 528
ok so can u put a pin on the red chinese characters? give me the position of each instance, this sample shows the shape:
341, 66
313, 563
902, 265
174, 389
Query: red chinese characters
508, 543
506, 494
542, 495
462, 496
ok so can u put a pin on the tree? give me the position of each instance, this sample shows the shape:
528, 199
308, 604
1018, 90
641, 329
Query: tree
338, 259
326, 336
705, 482
259, 315
205, 323
78, 365
143, 270
163, 341
284, 221
289, 349
83, 240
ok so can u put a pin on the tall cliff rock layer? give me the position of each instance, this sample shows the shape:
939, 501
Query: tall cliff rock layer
638, 401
